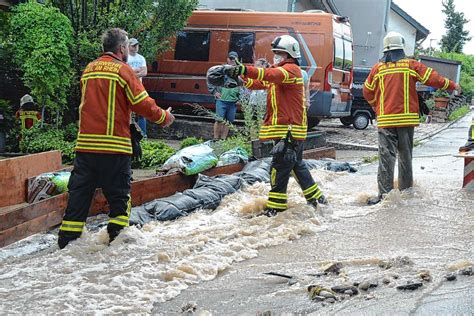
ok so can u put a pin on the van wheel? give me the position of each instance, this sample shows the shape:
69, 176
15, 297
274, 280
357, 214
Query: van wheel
313, 122
346, 121
361, 121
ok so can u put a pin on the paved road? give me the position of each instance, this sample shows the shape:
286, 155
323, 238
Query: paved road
431, 227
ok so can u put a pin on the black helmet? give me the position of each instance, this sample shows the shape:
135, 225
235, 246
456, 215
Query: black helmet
215, 76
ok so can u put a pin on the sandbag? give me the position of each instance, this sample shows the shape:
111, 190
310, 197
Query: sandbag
330, 165
255, 171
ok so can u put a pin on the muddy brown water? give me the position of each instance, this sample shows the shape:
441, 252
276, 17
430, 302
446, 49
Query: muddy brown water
217, 260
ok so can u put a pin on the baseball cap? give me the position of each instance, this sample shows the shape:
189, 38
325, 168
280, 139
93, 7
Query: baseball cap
233, 55
26, 99
133, 41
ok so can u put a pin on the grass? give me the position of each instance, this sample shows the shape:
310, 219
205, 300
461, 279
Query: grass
370, 159
459, 112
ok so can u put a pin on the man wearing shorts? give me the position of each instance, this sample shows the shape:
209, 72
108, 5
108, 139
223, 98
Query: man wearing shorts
226, 103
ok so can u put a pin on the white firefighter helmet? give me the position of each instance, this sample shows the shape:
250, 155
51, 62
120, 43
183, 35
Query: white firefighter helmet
392, 41
286, 43
26, 99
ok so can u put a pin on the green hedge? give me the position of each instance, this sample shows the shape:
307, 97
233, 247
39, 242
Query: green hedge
44, 138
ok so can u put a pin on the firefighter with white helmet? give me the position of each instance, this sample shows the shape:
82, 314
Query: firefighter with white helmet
391, 90
285, 121
27, 113
288, 44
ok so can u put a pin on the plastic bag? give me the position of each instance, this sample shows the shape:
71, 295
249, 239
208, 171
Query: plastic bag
233, 156
47, 184
60, 180
192, 160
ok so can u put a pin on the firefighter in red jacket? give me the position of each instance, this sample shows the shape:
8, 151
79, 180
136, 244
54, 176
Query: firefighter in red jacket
285, 122
27, 113
391, 90
110, 92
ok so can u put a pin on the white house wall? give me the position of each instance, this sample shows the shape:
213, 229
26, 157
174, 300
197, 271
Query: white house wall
398, 24
369, 21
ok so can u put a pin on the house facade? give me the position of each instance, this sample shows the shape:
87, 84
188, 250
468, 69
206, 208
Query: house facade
370, 20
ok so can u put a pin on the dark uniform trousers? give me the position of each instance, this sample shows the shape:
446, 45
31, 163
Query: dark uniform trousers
284, 163
392, 141
112, 173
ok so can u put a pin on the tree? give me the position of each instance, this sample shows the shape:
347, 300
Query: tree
40, 39
153, 22
456, 36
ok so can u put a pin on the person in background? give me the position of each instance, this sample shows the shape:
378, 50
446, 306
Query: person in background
285, 122
226, 103
110, 92
391, 90
138, 64
470, 139
27, 113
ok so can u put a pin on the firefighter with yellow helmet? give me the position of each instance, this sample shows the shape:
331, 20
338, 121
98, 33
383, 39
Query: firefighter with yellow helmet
391, 90
285, 122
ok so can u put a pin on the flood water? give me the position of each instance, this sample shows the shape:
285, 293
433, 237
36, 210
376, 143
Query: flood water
217, 259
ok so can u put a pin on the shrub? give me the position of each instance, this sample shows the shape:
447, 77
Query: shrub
190, 141
230, 143
459, 112
44, 138
40, 41
155, 153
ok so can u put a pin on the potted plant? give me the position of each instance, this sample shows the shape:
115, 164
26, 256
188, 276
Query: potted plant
441, 98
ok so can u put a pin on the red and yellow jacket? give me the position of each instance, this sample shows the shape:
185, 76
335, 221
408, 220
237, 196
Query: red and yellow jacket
285, 100
28, 118
391, 89
110, 92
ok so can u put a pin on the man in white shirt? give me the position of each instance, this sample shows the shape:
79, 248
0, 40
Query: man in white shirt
138, 64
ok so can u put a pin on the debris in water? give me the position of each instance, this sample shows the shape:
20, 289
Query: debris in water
395, 262
279, 275
450, 277
317, 290
425, 275
333, 268
466, 271
189, 307
410, 286
345, 289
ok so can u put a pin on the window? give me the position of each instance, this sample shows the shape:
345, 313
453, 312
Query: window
338, 53
192, 45
342, 54
243, 44
347, 55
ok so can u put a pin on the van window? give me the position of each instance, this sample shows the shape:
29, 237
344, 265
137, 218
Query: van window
243, 44
338, 53
347, 55
192, 45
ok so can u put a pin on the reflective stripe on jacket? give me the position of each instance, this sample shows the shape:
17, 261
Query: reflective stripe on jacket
110, 92
285, 100
391, 89
28, 118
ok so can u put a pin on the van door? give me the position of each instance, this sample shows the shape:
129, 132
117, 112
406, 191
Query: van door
342, 71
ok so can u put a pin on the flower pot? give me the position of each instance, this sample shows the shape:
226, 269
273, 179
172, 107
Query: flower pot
441, 102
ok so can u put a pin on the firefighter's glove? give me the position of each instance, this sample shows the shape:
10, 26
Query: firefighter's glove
235, 71
136, 136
